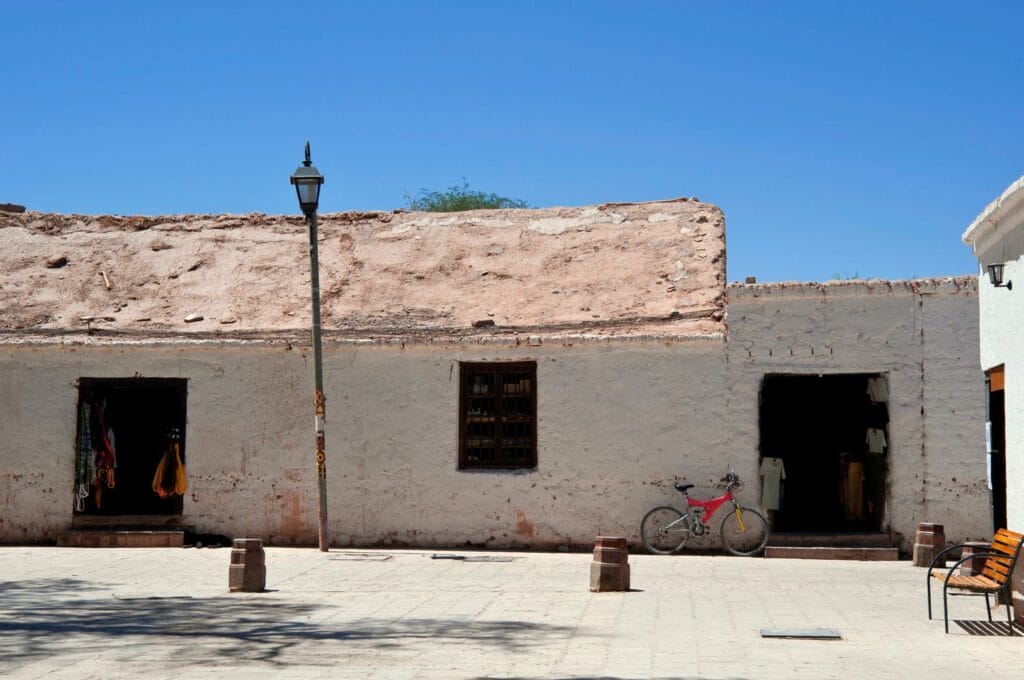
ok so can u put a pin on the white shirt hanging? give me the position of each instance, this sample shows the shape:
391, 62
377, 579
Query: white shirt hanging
772, 474
876, 440
878, 390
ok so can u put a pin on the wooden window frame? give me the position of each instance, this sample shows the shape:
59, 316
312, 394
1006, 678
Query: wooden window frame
498, 426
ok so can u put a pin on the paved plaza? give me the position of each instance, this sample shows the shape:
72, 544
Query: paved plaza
166, 613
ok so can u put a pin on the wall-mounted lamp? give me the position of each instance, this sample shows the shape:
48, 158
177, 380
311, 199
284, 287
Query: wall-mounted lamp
995, 275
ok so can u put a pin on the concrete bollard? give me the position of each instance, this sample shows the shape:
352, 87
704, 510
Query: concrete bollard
929, 542
248, 572
973, 566
610, 569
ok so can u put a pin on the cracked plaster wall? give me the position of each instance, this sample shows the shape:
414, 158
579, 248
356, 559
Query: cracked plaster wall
617, 423
923, 337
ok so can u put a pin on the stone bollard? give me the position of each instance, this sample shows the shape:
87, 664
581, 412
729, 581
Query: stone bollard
610, 569
973, 566
248, 572
930, 541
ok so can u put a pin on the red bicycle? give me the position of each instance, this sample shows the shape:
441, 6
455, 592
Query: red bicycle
665, 530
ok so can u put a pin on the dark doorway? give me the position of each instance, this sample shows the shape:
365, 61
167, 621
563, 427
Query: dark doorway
126, 427
997, 445
830, 432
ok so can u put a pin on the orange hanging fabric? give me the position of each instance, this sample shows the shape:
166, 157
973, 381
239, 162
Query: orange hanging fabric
170, 478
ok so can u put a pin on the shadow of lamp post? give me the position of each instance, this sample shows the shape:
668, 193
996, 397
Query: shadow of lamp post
307, 181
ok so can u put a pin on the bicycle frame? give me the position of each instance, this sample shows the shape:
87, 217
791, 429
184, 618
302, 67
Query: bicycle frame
710, 506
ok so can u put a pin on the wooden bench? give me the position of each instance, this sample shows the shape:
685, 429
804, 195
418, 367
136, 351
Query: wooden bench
994, 578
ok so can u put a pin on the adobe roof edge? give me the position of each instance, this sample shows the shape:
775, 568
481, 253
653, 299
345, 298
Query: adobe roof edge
856, 287
139, 222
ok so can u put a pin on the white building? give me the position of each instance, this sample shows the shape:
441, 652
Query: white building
997, 238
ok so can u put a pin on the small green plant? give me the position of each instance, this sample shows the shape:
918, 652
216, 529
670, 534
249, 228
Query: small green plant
458, 198
836, 276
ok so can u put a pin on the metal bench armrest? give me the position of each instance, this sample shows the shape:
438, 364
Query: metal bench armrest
936, 559
945, 550
971, 557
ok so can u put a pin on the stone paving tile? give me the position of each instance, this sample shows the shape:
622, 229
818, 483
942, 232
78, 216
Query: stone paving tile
109, 613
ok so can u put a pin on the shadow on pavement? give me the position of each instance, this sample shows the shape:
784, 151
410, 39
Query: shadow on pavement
41, 618
988, 628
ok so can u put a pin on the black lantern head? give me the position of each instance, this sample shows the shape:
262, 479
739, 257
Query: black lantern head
307, 180
995, 275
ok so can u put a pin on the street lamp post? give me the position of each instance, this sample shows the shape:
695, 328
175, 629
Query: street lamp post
307, 181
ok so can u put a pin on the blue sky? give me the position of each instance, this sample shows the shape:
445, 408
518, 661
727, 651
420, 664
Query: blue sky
849, 138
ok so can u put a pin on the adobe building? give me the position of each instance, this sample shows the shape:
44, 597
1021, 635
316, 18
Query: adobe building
868, 378
997, 238
511, 378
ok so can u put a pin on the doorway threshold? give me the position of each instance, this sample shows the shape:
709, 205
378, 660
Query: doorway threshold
142, 522
846, 539
121, 538
832, 553
872, 546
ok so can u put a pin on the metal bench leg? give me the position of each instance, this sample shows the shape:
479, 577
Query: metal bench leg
988, 608
945, 608
1009, 620
928, 585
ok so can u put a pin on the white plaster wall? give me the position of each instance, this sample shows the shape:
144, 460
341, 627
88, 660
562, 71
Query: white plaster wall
923, 338
1001, 321
617, 423
1002, 342
242, 413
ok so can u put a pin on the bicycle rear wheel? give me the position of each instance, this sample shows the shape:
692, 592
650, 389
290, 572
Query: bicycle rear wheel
746, 537
664, 530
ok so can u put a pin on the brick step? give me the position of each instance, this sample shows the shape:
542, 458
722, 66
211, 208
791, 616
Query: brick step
873, 539
121, 538
804, 552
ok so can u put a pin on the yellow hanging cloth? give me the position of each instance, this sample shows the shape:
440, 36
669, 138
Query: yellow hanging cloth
170, 478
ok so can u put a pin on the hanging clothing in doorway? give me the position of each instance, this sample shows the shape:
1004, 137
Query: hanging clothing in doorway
83, 456
876, 440
105, 456
95, 454
878, 390
851, 487
772, 474
170, 478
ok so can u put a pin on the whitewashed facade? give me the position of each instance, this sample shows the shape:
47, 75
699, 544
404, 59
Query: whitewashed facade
997, 237
640, 377
920, 337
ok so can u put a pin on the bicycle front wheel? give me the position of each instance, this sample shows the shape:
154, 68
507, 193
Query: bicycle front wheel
664, 530
744, 531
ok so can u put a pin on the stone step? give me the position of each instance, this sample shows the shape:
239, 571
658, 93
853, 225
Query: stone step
804, 552
116, 538
875, 539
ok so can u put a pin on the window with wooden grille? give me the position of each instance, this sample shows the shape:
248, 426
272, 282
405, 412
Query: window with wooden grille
497, 415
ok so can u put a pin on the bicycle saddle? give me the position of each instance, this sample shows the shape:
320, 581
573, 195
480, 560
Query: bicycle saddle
684, 487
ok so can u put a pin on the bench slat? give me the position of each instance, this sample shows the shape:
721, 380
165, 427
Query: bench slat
975, 583
995, 576
1008, 547
995, 568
